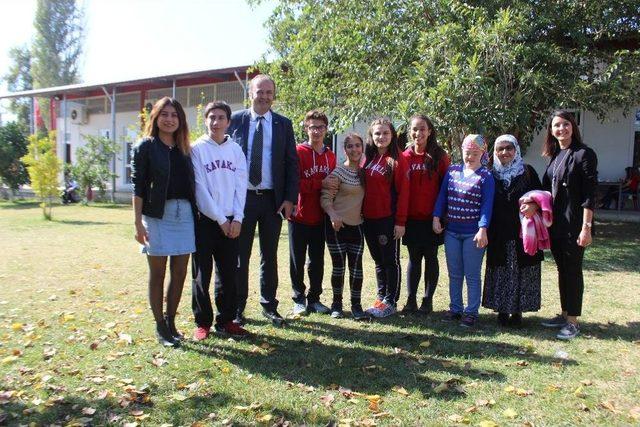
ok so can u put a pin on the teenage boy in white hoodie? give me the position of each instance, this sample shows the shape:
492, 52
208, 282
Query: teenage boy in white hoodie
220, 170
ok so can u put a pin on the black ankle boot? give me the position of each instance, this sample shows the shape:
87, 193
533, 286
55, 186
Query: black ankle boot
171, 327
164, 336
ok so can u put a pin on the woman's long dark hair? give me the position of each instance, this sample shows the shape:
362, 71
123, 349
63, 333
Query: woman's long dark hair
551, 145
371, 151
181, 135
435, 152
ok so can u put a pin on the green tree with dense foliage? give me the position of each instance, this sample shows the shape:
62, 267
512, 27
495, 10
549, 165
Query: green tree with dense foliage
51, 60
475, 66
13, 146
44, 169
92, 167
18, 79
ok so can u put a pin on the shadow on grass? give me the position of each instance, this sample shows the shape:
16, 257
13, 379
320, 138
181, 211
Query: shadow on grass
79, 222
69, 411
19, 205
615, 248
370, 361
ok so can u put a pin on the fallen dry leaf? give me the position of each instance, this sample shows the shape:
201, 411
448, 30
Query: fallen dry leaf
328, 399
425, 344
487, 423
49, 352
635, 412
401, 390
510, 413
381, 415
88, 411
264, 418
609, 405
586, 382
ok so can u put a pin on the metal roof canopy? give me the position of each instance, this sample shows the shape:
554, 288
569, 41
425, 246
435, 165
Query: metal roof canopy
170, 79
84, 89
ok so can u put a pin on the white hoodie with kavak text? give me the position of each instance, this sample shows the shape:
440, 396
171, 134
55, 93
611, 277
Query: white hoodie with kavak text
221, 178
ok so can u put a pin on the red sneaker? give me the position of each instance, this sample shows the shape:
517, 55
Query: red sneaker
232, 329
200, 333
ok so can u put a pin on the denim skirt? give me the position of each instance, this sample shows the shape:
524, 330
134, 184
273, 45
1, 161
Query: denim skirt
173, 234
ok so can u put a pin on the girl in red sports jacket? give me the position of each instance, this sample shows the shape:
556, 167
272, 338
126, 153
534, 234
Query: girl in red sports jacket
428, 163
306, 226
384, 209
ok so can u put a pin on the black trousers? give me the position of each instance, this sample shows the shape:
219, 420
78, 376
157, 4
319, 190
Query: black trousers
414, 270
568, 257
212, 244
345, 246
385, 252
306, 239
260, 211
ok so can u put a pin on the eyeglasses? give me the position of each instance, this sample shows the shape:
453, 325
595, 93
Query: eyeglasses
505, 148
314, 128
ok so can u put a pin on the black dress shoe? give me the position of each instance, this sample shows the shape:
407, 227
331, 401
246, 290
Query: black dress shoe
516, 320
275, 317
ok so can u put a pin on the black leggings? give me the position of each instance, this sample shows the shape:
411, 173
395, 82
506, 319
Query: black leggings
568, 256
414, 270
385, 251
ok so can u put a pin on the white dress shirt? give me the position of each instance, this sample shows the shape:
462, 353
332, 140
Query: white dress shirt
267, 134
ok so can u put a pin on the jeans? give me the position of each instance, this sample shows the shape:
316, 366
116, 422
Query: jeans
464, 260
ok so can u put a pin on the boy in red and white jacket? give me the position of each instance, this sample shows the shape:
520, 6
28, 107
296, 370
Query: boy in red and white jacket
306, 231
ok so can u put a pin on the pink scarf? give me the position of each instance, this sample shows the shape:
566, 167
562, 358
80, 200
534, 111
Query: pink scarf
533, 231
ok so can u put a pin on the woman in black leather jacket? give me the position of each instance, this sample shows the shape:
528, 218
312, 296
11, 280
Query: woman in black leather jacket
163, 204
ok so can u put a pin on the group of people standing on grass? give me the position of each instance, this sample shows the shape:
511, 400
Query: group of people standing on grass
247, 172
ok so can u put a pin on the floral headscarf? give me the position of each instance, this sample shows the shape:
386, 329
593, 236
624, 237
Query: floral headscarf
476, 142
514, 168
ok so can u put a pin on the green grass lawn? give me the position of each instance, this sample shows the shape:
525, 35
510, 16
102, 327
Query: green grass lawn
77, 345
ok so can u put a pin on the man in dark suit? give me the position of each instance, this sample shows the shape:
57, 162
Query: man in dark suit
268, 142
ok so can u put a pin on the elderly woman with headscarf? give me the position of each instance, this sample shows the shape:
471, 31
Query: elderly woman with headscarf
512, 277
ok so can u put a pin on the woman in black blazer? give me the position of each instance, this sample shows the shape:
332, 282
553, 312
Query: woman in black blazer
571, 177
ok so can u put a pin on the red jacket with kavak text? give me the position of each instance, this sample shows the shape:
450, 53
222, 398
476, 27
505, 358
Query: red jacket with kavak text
313, 168
384, 197
423, 186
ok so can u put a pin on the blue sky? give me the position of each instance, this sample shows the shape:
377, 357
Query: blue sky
137, 38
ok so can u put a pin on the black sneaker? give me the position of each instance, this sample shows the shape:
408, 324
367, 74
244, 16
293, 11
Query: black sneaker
276, 319
568, 332
336, 311
358, 313
450, 316
557, 322
426, 307
469, 321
